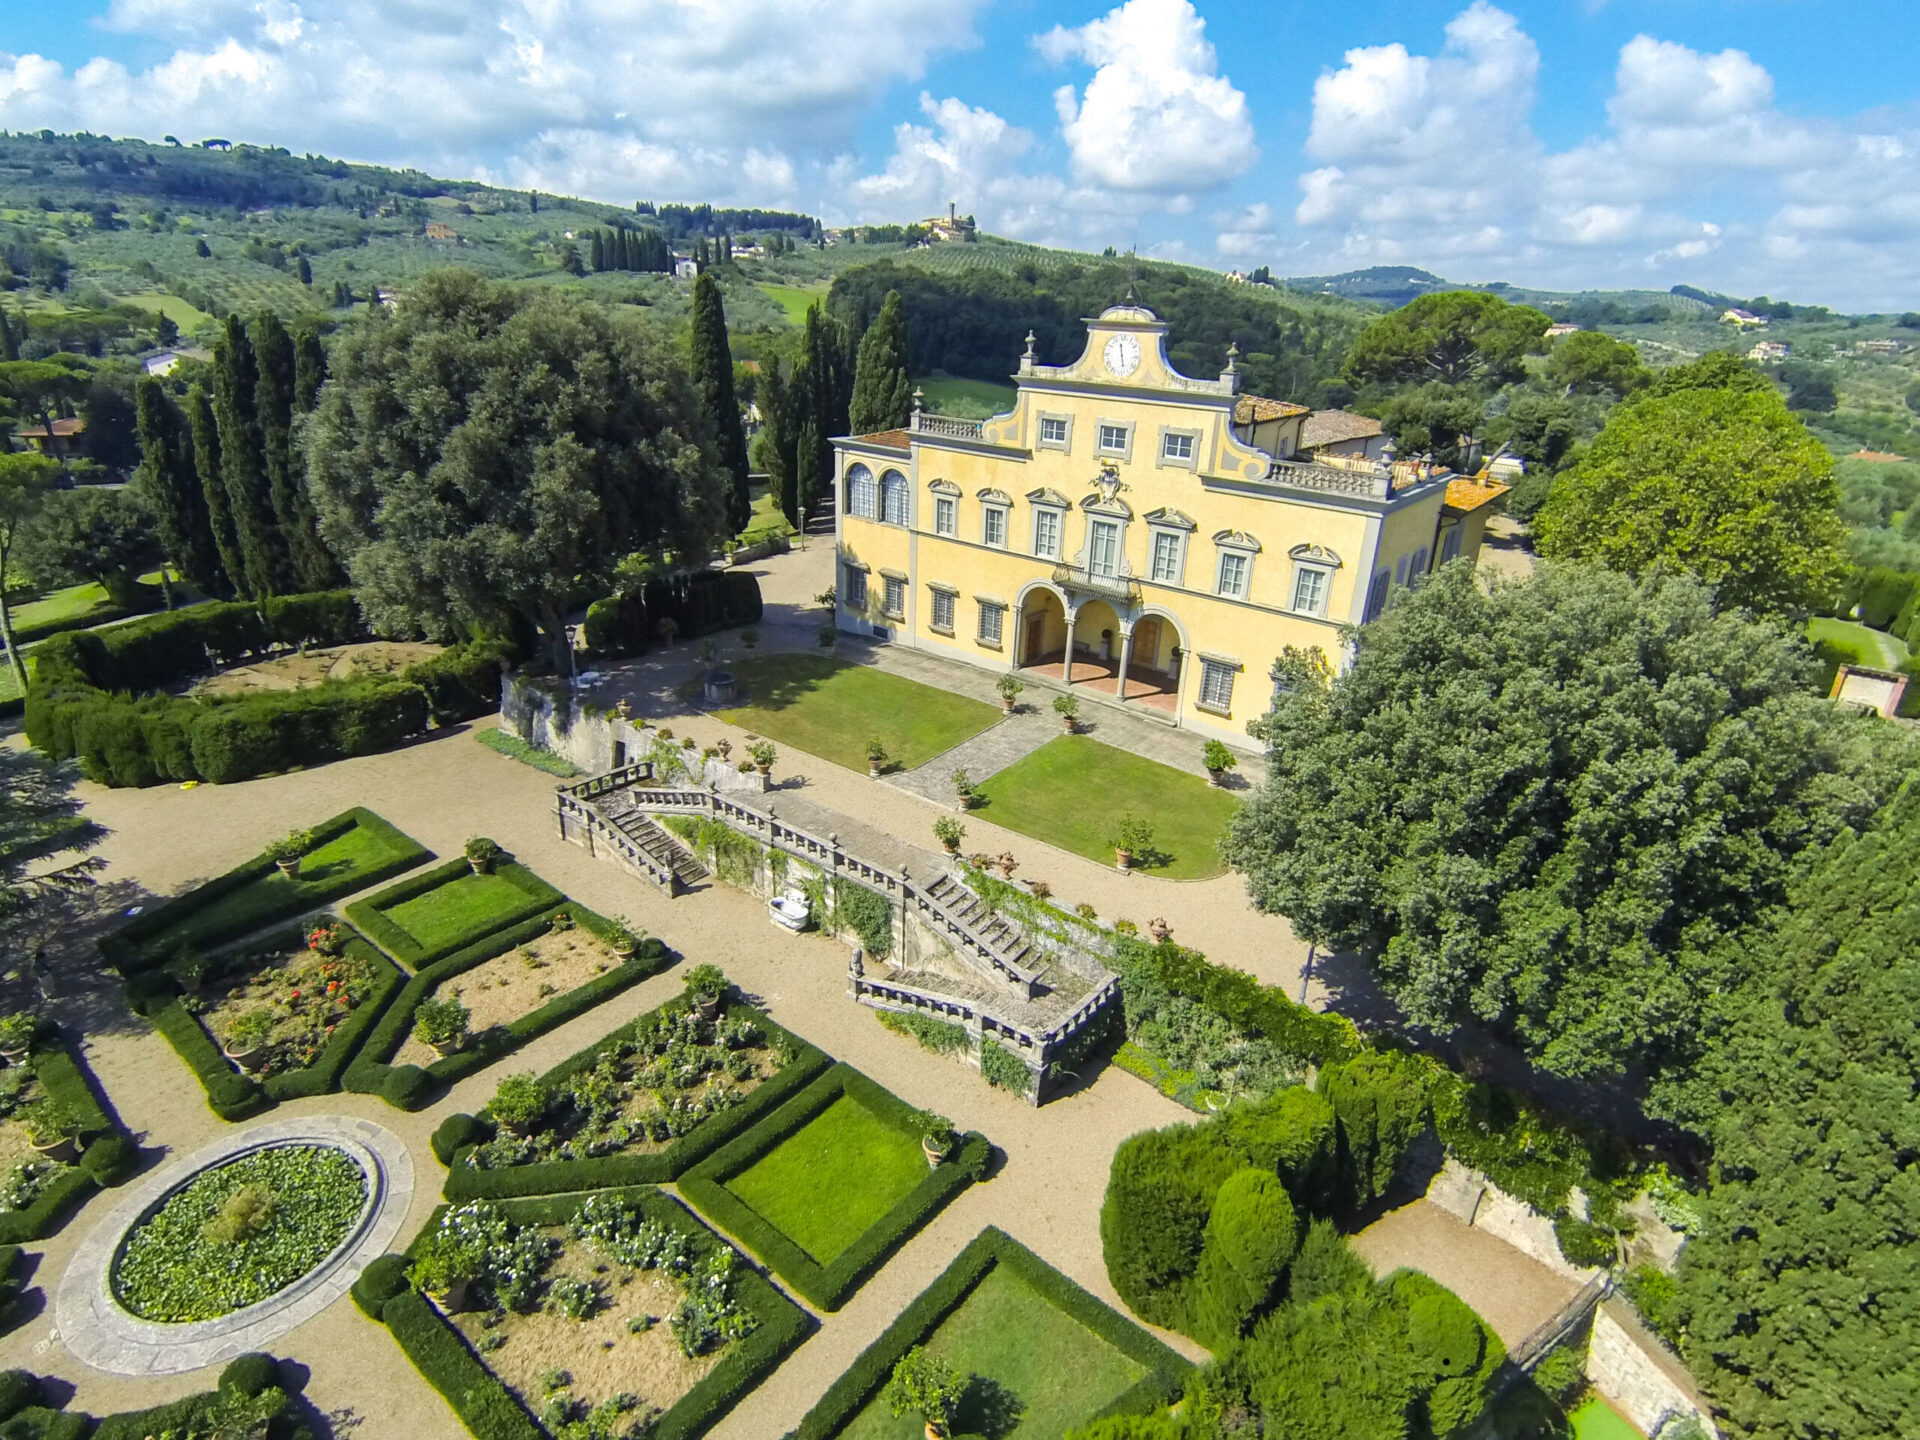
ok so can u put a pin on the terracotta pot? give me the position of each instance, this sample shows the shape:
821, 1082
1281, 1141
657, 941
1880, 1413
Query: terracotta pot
454, 1298
63, 1149
953, 849
250, 1059
481, 867
1006, 706
873, 771
625, 952
1123, 859
935, 1154
289, 868
1214, 777
1067, 726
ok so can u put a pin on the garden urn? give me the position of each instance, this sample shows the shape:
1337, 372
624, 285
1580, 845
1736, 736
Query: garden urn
1215, 777
444, 1048
482, 864
935, 1150
290, 868
1122, 859
1158, 929
873, 769
1066, 723
249, 1058
61, 1148
708, 1005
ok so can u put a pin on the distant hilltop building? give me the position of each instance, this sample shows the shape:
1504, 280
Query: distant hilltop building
951, 226
1561, 327
1767, 351
1137, 536
1741, 318
440, 230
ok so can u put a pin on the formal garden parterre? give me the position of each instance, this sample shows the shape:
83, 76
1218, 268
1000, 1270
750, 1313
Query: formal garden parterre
827, 1187
256, 1398
57, 1140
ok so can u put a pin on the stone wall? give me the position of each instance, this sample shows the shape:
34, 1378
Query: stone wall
1485, 1206
1640, 1380
598, 740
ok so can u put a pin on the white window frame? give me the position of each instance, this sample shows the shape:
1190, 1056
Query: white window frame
1125, 449
942, 600
1169, 435
1240, 561
863, 493
1096, 526
893, 596
1216, 675
946, 515
855, 584
1065, 440
994, 610
1323, 574
894, 495
1055, 516
988, 514
1178, 540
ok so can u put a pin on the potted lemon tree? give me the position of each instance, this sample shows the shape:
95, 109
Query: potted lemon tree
936, 1137
287, 850
441, 1024
876, 757
446, 1264
707, 987
482, 854
52, 1129
1067, 707
1129, 837
949, 832
1218, 759
246, 1042
1009, 687
928, 1387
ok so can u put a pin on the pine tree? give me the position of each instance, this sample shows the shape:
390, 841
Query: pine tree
309, 367
236, 378
204, 432
712, 370
596, 254
170, 486
882, 393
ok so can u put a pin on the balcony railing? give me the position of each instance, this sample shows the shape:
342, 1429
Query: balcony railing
945, 426
1122, 584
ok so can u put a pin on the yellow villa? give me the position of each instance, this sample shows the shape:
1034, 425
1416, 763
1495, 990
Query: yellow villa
1134, 535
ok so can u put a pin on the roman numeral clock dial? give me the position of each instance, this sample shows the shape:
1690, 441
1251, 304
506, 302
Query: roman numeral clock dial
1123, 355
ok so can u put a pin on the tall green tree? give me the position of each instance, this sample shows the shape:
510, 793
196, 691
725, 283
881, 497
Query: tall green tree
712, 368
882, 392
99, 533
1459, 337
1725, 485
203, 432
170, 486
819, 408
39, 387
306, 565
25, 483
309, 367
1561, 808
1588, 362
1715, 370
547, 440
773, 448
43, 837
1802, 1293
243, 465
9, 344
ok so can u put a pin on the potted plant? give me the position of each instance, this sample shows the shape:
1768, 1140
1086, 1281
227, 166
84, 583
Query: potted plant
1009, 687
750, 636
828, 634
963, 789
482, 854
445, 1266
1067, 707
1130, 835
1158, 929
667, 629
876, 757
762, 753
625, 938
725, 747
930, 1388
519, 1102
246, 1042
827, 598
16, 1036
1218, 759
949, 832
1040, 889
52, 1129
709, 652
707, 985
287, 850
441, 1024
936, 1137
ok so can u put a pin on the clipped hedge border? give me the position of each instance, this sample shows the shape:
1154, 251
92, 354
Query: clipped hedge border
370, 914
130, 949
409, 1087
862, 1380
106, 1160
459, 1133
231, 1093
488, 1408
828, 1286
21, 1394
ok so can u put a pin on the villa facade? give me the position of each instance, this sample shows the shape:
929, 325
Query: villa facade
1133, 534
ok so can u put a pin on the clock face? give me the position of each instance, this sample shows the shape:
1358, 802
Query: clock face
1123, 355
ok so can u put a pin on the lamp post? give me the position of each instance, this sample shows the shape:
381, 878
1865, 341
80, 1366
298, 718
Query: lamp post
803, 526
573, 656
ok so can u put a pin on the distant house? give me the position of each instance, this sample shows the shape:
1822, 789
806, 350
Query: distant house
1880, 347
1878, 457
752, 250
1236, 277
1767, 351
1341, 432
951, 226
684, 268
1741, 318
439, 230
65, 429
165, 362
1562, 327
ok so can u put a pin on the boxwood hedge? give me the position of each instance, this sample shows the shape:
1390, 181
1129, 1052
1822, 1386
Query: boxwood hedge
441, 1354
460, 1132
107, 1155
409, 1087
143, 943
232, 1094
25, 1416
370, 914
828, 1286
1166, 1371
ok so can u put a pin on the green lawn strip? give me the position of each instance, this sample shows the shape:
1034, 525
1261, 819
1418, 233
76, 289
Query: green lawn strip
708, 1187
795, 301
460, 1132
107, 1155
408, 1087
1597, 1420
966, 399
1857, 644
357, 849
429, 916
831, 709
514, 748
488, 1408
1008, 1341
232, 1094
1072, 789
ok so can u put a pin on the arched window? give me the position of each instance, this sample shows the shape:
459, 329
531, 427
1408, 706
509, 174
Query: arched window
861, 499
893, 498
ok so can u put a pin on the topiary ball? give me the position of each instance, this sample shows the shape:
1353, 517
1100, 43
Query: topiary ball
110, 1159
383, 1279
408, 1087
458, 1131
250, 1374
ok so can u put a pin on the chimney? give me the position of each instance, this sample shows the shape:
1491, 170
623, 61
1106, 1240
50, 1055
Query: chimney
953, 211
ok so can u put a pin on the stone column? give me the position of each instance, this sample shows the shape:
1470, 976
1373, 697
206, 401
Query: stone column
1126, 655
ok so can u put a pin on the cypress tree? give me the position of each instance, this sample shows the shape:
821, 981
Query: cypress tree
9, 347
777, 442
882, 393
304, 272
309, 367
304, 562
596, 253
807, 474
236, 379
167, 481
712, 370
204, 431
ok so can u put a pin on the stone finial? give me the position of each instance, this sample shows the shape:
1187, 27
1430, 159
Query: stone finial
919, 400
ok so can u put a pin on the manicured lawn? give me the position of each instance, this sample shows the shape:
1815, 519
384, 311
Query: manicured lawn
1070, 791
1038, 1372
469, 906
360, 850
796, 301
965, 399
1597, 1420
1859, 644
183, 314
825, 1185
74, 603
830, 709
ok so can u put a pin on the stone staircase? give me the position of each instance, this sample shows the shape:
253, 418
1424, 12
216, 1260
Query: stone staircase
662, 847
987, 937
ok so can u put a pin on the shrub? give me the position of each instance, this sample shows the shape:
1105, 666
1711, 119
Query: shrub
1381, 1101
1153, 1221
439, 1022
1562, 1375
1004, 1069
519, 1101
940, 1036
949, 832
456, 1132
384, 1278
1130, 833
1326, 1265
1292, 1134
235, 1097
110, 1159
1215, 756
1251, 1238
925, 1386
1658, 1298
407, 1087
867, 913
250, 1374
1582, 1242
18, 1390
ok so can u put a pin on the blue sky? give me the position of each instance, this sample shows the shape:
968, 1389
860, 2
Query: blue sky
1746, 145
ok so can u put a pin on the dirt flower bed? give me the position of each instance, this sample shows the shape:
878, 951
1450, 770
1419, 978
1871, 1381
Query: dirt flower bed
313, 667
501, 990
655, 1083
598, 1325
24, 1172
283, 1001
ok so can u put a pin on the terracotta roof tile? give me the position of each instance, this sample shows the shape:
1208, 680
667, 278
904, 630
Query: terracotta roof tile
1464, 494
1252, 409
1330, 427
885, 439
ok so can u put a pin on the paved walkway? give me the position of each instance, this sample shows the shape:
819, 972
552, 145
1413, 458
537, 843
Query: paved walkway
986, 754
